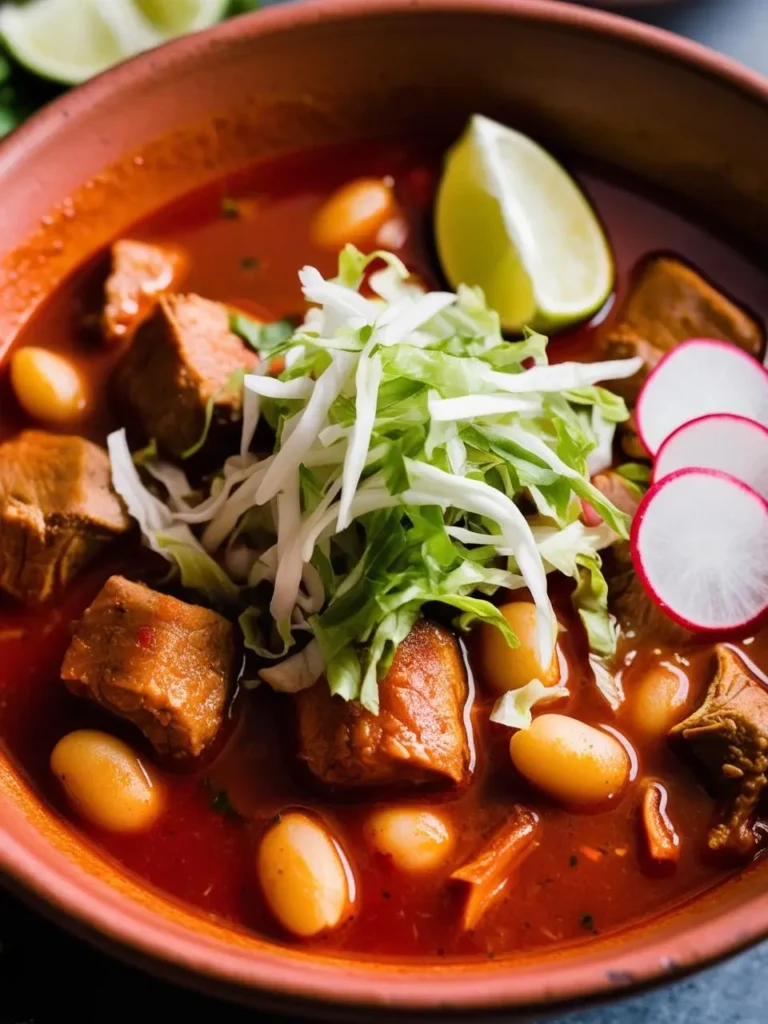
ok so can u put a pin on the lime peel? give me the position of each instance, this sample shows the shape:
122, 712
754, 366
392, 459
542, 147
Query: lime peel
69, 41
511, 220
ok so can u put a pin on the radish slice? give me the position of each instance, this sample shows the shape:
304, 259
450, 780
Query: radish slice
721, 441
700, 546
697, 378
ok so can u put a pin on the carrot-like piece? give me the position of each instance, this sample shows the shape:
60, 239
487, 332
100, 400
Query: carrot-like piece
488, 874
663, 841
591, 853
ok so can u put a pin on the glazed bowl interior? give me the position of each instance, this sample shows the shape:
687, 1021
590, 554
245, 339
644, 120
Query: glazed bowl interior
672, 116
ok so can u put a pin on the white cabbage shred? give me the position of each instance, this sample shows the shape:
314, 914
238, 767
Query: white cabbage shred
513, 709
418, 457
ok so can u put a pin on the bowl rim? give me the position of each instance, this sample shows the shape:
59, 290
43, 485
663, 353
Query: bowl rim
285, 16
365, 985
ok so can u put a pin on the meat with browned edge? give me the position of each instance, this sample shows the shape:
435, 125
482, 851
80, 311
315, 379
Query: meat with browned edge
627, 597
183, 357
57, 512
671, 303
140, 274
419, 734
489, 873
161, 663
729, 734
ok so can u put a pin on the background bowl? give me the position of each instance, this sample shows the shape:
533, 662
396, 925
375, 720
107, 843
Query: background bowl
665, 111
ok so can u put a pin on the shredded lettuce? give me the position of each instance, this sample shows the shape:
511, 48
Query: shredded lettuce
419, 458
601, 457
234, 384
574, 552
147, 454
198, 571
607, 683
590, 599
636, 473
172, 539
298, 672
267, 338
514, 708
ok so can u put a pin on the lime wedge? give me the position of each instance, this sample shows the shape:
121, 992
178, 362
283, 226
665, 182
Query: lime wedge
510, 219
175, 17
71, 40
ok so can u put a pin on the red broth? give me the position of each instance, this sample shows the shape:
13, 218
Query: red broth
246, 238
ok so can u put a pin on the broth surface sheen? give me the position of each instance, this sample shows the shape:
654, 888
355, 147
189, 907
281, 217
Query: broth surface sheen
246, 239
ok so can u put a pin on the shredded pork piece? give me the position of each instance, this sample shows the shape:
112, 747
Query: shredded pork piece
729, 734
489, 874
660, 834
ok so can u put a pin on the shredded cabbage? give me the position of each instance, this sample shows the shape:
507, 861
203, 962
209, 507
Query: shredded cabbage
514, 708
418, 457
163, 532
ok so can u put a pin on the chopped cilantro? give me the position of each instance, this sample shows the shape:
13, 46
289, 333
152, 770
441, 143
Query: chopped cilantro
220, 803
219, 798
249, 263
277, 819
230, 209
588, 923
261, 337
573, 860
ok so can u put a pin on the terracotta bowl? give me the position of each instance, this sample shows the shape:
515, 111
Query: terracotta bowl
670, 113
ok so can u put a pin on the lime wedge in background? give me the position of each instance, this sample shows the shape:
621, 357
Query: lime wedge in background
175, 17
71, 40
510, 219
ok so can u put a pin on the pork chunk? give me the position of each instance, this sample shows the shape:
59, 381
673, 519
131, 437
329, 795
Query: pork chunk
163, 664
669, 304
419, 734
57, 512
729, 735
140, 274
183, 357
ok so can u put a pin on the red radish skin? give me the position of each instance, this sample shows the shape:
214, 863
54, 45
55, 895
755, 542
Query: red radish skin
734, 628
683, 349
741, 432
589, 516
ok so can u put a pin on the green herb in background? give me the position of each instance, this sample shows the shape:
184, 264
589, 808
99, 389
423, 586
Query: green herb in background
219, 798
261, 337
230, 209
22, 92
242, 7
8, 113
